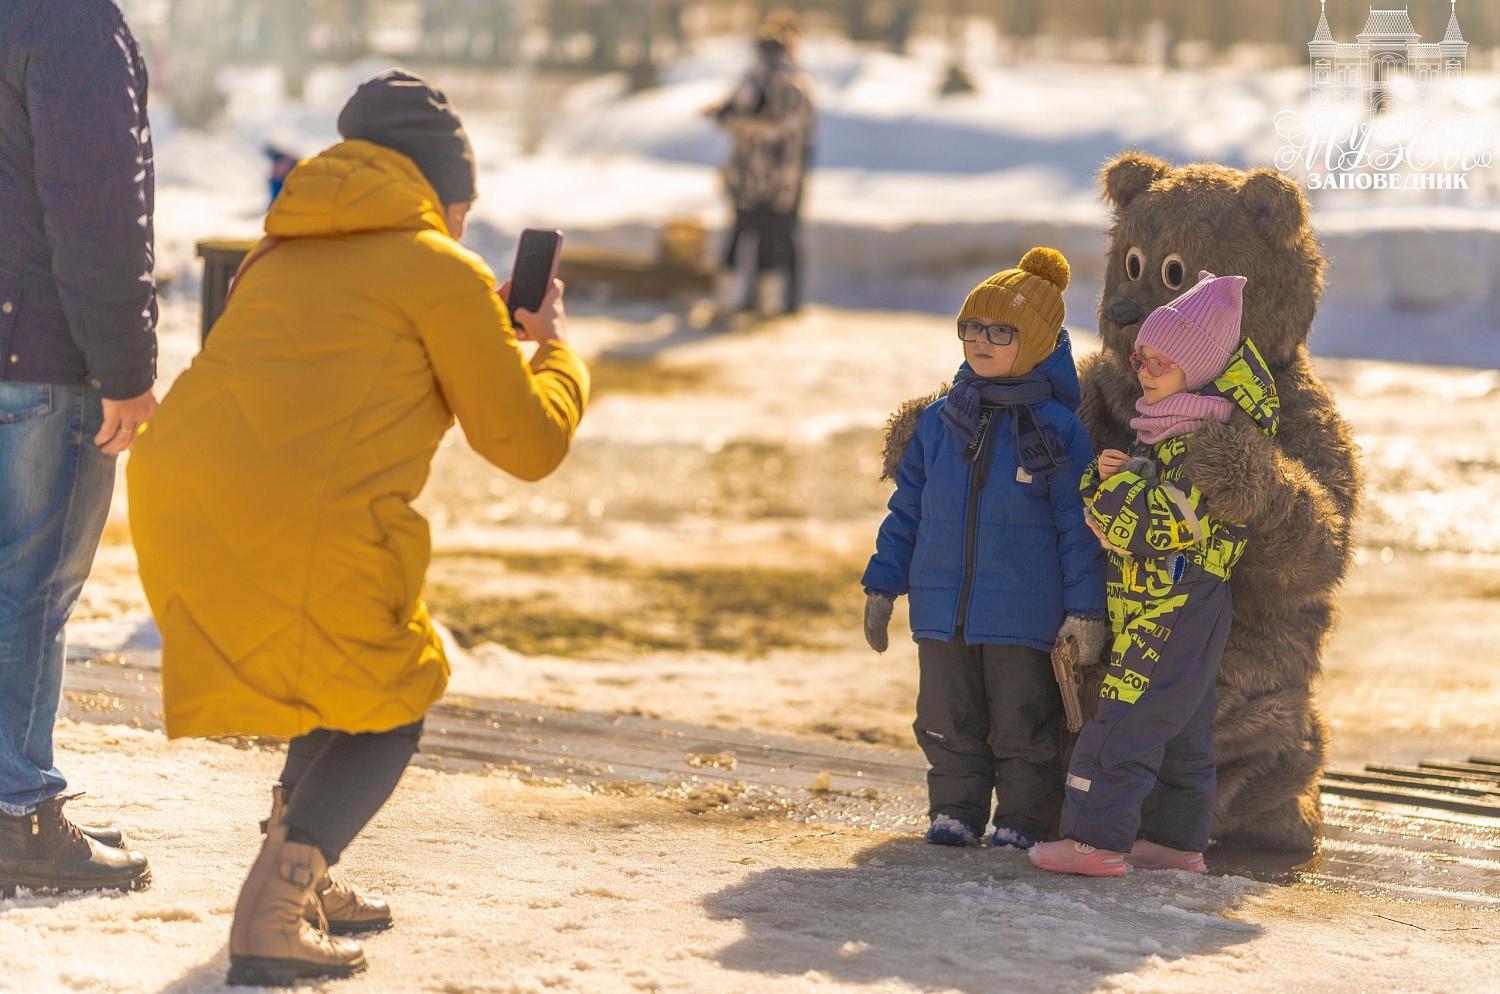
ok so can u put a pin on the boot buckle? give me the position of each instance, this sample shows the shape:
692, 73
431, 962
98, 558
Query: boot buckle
297, 873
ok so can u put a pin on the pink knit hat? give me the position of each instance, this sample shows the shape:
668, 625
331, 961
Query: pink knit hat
1200, 329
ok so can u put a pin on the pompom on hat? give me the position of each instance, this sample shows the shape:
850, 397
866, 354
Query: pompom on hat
1028, 298
1200, 330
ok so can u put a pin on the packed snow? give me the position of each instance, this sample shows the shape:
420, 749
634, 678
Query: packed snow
500, 886
805, 399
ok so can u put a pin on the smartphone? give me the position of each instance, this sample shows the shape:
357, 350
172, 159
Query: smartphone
536, 266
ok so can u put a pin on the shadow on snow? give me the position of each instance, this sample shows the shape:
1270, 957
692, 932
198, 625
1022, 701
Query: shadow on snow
967, 919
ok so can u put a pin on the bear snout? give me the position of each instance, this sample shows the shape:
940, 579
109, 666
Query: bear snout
1124, 312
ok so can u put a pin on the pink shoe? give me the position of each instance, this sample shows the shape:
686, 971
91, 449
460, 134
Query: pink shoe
1150, 856
1067, 856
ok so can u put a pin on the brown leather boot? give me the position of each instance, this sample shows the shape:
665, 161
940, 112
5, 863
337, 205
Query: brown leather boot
107, 835
345, 911
46, 851
271, 944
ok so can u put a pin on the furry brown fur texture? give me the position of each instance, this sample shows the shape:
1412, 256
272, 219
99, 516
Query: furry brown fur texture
899, 429
1299, 492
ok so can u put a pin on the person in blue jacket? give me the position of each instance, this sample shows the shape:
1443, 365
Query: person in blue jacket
986, 536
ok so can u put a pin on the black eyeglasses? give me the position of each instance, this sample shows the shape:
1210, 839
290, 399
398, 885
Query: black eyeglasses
998, 334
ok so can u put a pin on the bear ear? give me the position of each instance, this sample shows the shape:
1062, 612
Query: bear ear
1131, 175
1276, 206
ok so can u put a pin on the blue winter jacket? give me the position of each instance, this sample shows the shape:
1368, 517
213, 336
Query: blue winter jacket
1034, 559
77, 301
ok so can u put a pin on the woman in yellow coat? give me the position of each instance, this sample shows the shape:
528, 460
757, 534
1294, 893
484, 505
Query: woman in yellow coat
271, 494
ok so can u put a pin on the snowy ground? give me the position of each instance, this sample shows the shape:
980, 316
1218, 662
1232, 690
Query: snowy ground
766, 455
758, 449
505, 887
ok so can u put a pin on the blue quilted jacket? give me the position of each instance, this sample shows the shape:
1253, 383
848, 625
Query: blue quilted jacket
1006, 561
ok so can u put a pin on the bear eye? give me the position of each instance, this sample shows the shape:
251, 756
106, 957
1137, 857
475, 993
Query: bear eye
1135, 263
1173, 272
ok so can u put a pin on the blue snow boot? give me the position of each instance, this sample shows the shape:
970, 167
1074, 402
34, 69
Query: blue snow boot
946, 831
1011, 838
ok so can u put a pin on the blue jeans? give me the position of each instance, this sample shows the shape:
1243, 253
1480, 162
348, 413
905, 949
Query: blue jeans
55, 487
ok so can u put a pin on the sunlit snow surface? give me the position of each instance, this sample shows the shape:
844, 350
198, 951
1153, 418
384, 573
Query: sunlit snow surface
772, 457
508, 886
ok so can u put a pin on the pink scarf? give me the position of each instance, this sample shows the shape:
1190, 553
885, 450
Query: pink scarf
1179, 414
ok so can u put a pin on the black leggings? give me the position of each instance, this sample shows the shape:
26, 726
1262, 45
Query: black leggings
336, 782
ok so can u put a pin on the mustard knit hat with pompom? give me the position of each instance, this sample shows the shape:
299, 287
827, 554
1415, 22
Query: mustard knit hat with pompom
1028, 298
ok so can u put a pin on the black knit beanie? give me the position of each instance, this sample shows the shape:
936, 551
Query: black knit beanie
403, 111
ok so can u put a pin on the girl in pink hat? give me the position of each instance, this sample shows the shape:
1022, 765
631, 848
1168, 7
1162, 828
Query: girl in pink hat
1141, 785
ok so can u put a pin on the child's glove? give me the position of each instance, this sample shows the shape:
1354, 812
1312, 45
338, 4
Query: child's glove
878, 621
1091, 635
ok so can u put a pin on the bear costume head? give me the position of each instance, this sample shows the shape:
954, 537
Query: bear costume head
1171, 223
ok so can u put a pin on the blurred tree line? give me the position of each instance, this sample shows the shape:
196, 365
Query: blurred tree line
200, 36
1222, 24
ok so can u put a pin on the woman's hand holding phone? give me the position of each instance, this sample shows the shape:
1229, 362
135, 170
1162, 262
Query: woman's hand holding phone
547, 323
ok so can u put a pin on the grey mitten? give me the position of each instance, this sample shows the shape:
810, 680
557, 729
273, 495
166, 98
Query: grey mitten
1140, 466
1091, 635
878, 621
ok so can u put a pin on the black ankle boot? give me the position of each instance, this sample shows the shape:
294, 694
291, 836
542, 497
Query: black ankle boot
107, 834
46, 851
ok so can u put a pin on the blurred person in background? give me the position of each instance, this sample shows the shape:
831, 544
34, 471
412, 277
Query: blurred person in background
77, 368
770, 119
282, 164
270, 497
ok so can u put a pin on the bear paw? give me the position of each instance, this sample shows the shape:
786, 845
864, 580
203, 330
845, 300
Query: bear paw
1235, 467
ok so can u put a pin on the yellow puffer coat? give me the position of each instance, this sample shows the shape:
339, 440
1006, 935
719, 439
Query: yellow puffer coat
270, 496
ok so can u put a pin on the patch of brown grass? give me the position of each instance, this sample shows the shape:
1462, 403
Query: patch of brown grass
732, 609
610, 374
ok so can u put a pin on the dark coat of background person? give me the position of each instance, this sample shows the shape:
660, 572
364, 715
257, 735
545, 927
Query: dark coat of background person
1298, 492
770, 120
76, 306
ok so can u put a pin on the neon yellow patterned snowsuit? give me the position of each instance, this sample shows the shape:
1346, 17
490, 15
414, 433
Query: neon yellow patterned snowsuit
1163, 534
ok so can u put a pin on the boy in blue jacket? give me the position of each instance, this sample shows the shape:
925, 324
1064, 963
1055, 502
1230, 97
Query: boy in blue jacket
986, 534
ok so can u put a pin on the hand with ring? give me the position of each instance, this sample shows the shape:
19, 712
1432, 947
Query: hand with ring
122, 419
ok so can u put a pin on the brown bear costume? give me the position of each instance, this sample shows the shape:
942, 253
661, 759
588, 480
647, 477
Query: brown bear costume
1298, 492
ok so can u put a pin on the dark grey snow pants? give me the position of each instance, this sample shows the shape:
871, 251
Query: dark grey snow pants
1144, 768
989, 718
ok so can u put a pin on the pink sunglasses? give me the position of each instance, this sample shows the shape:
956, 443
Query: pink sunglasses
1154, 365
